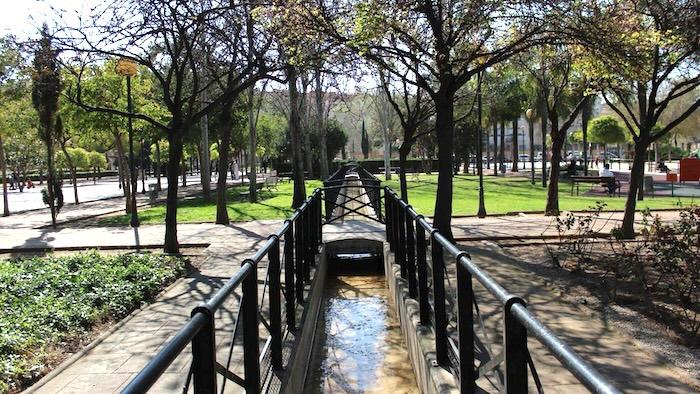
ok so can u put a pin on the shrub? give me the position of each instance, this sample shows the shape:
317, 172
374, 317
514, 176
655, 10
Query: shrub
47, 302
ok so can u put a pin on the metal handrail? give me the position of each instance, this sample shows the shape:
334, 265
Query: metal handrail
302, 236
410, 247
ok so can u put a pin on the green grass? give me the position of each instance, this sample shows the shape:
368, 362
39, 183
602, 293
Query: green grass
271, 205
505, 195
502, 195
49, 302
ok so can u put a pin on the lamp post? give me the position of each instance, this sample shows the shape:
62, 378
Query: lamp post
479, 147
128, 69
530, 114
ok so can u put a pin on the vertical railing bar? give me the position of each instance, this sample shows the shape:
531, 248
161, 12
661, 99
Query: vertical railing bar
401, 244
410, 255
275, 305
290, 305
422, 267
515, 345
251, 350
465, 328
439, 302
299, 259
204, 353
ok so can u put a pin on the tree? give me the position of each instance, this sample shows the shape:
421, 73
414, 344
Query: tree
653, 63
365, 142
606, 130
167, 38
97, 162
443, 43
45, 90
9, 62
552, 70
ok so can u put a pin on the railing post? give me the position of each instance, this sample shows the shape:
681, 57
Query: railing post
299, 258
410, 255
308, 242
515, 343
439, 301
319, 219
401, 244
378, 200
422, 268
204, 354
275, 304
388, 222
249, 313
290, 305
465, 327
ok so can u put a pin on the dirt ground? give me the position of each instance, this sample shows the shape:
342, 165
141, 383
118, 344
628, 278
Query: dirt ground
588, 289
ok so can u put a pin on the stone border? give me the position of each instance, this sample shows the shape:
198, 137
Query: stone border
420, 340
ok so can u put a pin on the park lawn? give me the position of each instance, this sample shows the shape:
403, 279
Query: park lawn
274, 204
505, 195
48, 305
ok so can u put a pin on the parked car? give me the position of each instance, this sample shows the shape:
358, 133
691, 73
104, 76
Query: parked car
523, 157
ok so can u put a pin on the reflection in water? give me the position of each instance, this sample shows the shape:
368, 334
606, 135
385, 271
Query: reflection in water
361, 349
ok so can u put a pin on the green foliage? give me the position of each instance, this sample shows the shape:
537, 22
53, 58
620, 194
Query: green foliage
97, 160
48, 301
606, 130
270, 135
364, 142
78, 156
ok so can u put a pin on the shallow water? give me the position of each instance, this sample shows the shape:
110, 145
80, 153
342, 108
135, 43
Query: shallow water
361, 349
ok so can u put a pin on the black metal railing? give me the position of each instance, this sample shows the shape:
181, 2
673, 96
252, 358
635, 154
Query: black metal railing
338, 186
408, 234
301, 236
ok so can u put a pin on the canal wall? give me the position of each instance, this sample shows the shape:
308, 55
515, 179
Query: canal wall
300, 360
420, 340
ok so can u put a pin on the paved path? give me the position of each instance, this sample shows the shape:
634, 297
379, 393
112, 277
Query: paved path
111, 364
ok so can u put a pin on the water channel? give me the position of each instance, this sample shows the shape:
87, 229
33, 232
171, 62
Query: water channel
360, 348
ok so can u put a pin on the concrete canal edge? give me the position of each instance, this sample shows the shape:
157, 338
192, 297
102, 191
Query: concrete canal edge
300, 359
419, 340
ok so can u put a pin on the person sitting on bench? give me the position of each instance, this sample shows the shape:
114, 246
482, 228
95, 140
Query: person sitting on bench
610, 183
661, 166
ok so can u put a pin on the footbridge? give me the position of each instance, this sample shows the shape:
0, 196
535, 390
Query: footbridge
357, 292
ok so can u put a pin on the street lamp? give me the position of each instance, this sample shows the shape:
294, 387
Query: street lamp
128, 69
530, 114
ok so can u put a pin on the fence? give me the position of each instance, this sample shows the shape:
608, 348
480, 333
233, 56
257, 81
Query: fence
302, 236
408, 234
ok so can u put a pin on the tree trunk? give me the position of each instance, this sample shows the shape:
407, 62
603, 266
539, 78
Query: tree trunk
515, 146
73, 175
295, 133
558, 138
488, 149
224, 148
502, 149
205, 161
158, 170
124, 170
636, 180
183, 167
252, 146
321, 127
3, 168
174, 162
444, 124
543, 117
531, 130
51, 180
495, 148
403, 155
585, 115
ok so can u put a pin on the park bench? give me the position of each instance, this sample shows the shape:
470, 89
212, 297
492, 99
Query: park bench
270, 183
600, 180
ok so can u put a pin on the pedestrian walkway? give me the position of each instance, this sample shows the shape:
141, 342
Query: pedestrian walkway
118, 356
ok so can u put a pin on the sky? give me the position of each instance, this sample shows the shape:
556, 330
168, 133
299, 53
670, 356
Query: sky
23, 18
